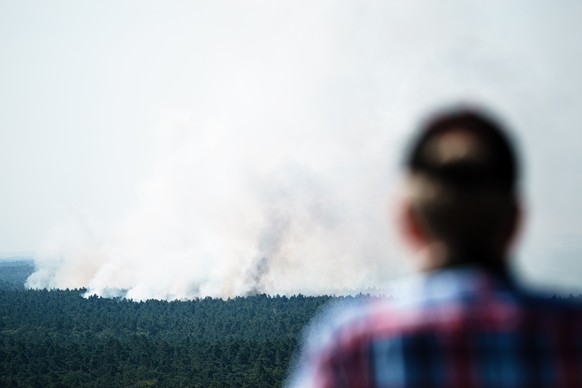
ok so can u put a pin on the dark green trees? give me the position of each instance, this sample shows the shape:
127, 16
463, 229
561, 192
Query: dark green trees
60, 339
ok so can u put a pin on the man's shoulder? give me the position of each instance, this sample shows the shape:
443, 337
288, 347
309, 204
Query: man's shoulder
341, 316
451, 303
444, 314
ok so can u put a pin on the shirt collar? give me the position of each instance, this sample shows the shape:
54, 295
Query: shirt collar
455, 282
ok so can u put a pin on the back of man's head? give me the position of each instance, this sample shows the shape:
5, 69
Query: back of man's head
463, 177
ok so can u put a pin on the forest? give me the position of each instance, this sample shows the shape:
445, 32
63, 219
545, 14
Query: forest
58, 338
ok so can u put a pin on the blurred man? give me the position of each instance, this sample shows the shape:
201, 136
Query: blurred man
466, 323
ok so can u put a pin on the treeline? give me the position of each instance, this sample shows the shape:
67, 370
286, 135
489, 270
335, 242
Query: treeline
14, 272
59, 338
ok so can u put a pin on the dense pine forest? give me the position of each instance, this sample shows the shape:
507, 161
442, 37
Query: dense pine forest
59, 338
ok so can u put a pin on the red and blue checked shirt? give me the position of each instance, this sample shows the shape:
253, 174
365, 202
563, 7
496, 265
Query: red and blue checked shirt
461, 327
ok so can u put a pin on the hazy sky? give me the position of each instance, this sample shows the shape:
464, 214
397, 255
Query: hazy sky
205, 135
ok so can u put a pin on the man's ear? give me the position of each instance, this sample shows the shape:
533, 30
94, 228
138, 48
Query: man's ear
411, 229
516, 227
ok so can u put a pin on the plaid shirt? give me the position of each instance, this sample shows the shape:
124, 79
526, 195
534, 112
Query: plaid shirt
456, 328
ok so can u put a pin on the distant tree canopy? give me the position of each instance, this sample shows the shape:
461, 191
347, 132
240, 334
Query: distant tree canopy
13, 273
60, 339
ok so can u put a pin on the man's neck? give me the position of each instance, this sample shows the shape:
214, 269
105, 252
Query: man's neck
492, 264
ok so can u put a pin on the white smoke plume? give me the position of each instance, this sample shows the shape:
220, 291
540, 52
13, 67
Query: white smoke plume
226, 214
273, 171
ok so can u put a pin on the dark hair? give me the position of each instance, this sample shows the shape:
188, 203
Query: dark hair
463, 179
496, 164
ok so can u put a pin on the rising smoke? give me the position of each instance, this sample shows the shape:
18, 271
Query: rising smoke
273, 170
225, 214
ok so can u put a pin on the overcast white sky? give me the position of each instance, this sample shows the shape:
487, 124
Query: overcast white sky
127, 123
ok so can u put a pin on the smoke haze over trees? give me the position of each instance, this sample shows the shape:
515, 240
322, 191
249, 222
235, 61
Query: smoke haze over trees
183, 150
